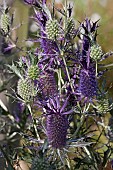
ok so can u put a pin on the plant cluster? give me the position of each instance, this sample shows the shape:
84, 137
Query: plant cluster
61, 93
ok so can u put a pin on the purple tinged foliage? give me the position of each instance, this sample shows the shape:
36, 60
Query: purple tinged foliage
90, 34
56, 122
50, 53
41, 18
49, 47
89, 26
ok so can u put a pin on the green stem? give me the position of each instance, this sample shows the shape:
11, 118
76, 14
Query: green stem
68, 74
35, 128
96, 68
81, 123
59, 80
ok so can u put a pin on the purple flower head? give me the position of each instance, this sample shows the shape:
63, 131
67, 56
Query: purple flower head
47, 84
50, 53
88, 82
56, 122
89, 35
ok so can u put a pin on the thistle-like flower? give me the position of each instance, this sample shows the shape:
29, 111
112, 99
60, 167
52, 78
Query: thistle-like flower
33, 72
56, 122
96, 52
24, 89
47, 85
70, 28
88, 82
5, 22
50, 53
52, 29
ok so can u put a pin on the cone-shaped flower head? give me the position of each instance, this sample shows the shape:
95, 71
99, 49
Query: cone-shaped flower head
56, 122
33, 72
96, 52
24, 89
88, 82
52, 29
70, 28
47, 84
5, 22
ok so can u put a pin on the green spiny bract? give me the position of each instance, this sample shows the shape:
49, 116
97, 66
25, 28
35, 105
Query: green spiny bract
70, 28
52, 29
24, 89
5, 22
102, 106
33, 72
96, 52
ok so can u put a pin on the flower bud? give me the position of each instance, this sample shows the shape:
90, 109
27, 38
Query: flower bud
70, 27
24, 89
52, 29
96, 52
5, 23
33, 72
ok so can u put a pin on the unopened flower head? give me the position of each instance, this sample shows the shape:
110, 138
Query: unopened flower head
24, 89
96, 52
5, 22
52, 29
70, 28
33, 72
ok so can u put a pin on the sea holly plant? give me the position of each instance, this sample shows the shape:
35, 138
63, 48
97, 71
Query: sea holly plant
59, 88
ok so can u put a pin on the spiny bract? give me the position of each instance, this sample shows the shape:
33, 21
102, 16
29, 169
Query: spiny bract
103, 106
